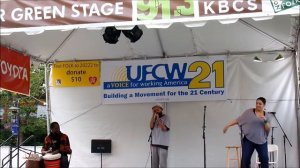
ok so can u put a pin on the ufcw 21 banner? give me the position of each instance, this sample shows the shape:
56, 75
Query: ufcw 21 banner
75, 74
14, 71
164, 80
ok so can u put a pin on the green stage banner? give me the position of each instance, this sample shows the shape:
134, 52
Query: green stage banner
24, 15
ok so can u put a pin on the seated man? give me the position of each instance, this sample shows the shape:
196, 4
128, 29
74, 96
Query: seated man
57, 142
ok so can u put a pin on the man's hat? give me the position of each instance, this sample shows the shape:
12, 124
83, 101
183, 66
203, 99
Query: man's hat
158, 105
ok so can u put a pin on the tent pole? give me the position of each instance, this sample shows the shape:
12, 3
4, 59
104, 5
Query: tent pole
297, 66
161, 44
264, 33
60, 45
48, 104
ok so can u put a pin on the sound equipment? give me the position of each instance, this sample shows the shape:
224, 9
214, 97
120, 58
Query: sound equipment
101, 146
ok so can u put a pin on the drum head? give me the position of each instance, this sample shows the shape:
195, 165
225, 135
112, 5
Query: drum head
50, 156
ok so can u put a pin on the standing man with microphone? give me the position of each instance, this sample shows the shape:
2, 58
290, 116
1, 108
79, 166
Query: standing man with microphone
160, 126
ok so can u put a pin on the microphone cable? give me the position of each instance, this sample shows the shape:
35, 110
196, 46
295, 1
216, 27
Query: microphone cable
148, 158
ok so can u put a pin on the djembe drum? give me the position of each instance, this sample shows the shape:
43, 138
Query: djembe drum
52, 160
33, 161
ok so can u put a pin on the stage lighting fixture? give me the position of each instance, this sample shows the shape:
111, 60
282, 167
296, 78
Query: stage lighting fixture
134, 35
111, 35
279, 58
256, 59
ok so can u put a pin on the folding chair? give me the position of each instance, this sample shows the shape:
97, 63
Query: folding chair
273, 156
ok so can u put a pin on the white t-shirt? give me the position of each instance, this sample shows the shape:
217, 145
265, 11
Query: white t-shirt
160, 137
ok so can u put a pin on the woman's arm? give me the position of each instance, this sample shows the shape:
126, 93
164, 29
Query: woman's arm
231, 123
267, 125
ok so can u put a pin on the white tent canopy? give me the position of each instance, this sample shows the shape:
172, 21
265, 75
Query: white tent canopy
83, 117
246, 35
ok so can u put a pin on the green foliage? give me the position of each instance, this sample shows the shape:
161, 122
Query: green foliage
37, 79
4, 133
5, 99
29, 124
36, 127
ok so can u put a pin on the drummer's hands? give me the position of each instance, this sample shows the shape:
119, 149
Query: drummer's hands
44, 152
55, 152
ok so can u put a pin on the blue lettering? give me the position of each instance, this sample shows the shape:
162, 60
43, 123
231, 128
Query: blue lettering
142, 72
145, 72
154, 71
175, 67
138, 73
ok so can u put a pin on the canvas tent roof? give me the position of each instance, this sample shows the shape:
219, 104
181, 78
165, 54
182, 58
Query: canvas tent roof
191, 33
245, 35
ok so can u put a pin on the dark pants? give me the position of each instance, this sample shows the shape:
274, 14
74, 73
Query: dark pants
248, 149
64, 162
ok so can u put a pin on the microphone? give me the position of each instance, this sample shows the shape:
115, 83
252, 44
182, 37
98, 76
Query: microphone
204, 107
156, 118
272, 112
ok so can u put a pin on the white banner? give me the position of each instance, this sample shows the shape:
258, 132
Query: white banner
164, 80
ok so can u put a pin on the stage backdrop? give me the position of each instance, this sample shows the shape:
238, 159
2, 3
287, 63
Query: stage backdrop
83, 118
164, 80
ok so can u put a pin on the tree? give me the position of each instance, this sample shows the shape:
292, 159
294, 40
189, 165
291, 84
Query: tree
37, 81
37, 127
5, 102
30, 124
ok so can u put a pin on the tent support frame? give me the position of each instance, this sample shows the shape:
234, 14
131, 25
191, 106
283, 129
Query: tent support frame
47, 90
265, 33
297, 70
61, 45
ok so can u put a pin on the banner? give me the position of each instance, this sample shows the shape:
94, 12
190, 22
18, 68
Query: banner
24, 13
75, 74
19, 15
281, 5
14, 71
164, 80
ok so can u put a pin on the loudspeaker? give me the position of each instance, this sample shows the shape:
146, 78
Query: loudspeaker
101, 146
